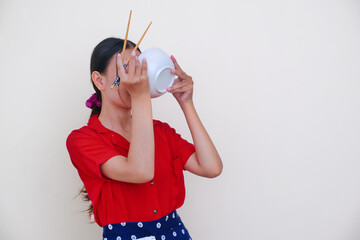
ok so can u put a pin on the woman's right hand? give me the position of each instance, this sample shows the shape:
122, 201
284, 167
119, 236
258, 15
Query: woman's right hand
134, 78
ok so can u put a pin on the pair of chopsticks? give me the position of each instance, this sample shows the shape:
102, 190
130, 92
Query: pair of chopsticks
117, 80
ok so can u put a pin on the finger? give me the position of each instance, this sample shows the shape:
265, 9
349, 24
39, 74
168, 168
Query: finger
121, 70
176, 81
181, 84
144, 67
178, 70
131, 66
126, 67
186, 88
175, 62
137, 68
181, 74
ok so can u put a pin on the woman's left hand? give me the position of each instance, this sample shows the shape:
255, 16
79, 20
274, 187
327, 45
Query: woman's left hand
182, 89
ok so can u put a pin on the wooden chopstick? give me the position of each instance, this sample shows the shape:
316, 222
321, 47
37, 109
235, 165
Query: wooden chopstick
126, 36
122, 53
137, 45
117, 80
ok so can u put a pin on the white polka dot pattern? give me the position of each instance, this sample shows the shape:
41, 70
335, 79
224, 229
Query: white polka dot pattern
176, 230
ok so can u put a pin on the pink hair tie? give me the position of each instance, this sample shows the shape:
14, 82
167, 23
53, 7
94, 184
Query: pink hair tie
93, 101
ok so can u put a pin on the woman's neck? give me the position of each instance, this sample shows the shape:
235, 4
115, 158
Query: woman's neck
116, 119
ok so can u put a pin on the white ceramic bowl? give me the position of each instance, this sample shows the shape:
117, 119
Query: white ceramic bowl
159, 65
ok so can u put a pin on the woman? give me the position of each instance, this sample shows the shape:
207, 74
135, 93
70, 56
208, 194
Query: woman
131, 165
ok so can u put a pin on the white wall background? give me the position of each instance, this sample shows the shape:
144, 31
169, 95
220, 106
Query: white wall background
277, 84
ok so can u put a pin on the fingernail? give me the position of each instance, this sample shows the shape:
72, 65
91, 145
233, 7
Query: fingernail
173, 58
133, 53
136, 58
119, 54
144, 59
168, 89
172, 70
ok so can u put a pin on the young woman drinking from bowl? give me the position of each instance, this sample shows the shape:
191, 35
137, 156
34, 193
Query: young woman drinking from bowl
131, 165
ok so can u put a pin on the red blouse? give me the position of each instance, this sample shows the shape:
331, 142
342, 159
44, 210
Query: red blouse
116, 201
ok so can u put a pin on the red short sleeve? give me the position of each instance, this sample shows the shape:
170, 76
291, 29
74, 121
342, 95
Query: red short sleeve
87, 151
181, 148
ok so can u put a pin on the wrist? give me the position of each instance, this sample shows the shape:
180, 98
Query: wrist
188, 108
186, 104
140, 97
141, 101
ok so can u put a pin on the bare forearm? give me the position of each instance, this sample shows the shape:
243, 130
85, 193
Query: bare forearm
206, 153
141, 152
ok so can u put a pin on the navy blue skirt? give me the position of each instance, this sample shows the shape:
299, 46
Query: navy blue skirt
166, 228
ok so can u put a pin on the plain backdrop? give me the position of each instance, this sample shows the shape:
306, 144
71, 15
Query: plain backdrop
277, 85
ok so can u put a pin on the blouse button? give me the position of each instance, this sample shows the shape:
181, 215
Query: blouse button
152, 182
155, 211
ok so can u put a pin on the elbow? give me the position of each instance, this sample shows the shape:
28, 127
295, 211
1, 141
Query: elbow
144, 175
215, 172
142, 172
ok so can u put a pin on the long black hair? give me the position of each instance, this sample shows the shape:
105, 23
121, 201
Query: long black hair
100, 58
